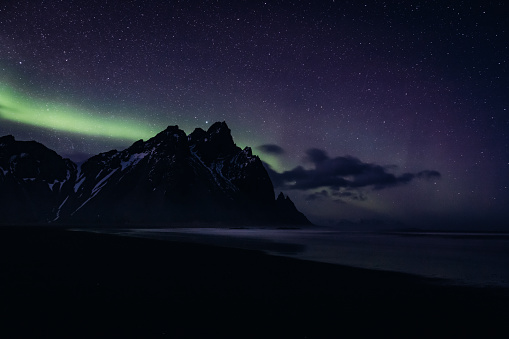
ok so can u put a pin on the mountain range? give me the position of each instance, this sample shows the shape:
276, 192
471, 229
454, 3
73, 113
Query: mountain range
170, 179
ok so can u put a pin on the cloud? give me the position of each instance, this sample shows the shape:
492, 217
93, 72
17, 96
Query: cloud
316, 155
350, 194
317, 195
342, 175
271, 149
334, 196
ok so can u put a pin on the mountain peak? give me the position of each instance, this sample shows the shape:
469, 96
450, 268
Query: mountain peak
217, 142
6, 139
197, 135
218, 127
220, 132
172, 128
169, 135
170, 131
281, 197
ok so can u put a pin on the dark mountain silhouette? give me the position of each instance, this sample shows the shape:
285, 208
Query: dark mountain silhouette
170, 179
33, 180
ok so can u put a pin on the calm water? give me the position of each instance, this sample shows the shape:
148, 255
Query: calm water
462, 258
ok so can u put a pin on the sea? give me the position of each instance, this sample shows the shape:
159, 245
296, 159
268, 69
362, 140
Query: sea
459, 258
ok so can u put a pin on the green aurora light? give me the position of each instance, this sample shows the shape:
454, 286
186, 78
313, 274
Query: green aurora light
22, 109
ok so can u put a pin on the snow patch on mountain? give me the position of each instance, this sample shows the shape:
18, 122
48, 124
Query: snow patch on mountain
78, 172
79, 180
197, 157
134, 159
78, 184
218, 168
52, 184
101, 183
59, 208
97, 188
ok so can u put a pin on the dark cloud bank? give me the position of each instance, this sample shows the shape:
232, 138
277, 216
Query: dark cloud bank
344, 176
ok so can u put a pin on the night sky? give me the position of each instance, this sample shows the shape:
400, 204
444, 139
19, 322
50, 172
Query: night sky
362, 110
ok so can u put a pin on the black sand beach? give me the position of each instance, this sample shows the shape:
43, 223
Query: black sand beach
55, 282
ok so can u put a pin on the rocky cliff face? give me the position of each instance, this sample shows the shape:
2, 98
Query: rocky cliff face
169, 179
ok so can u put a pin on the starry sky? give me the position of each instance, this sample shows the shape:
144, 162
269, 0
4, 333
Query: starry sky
392, 111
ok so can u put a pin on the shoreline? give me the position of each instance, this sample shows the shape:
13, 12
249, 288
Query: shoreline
353, 250
83, 284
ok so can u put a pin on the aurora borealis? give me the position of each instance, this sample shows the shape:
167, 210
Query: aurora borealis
362, 94
66, 118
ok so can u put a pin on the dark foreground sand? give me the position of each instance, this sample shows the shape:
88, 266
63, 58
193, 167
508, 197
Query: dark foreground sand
76, 284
